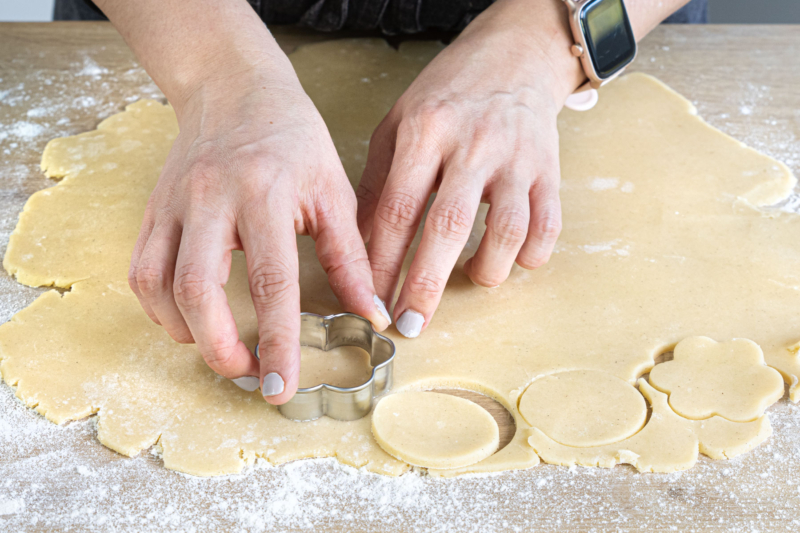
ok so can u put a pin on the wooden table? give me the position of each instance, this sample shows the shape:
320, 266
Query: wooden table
62, 78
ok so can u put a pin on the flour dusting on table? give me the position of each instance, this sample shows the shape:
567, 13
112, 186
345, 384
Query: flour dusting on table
59, 477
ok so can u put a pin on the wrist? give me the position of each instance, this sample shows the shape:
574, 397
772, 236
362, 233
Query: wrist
228, 77
537, 32
238, 96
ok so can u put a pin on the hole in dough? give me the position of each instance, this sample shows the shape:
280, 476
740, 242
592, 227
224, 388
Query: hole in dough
664, 357
345, 366
434, 430
583, 408
660, 355
504, 419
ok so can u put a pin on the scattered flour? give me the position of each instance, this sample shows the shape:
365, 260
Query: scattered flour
91, 68
594, 248
603, 184
23, 130
11, 507
605, 247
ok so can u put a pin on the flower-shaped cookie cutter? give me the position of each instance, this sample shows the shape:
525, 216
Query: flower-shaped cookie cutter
351, 403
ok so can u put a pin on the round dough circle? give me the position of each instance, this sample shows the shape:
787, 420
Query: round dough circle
434, 430
583, 408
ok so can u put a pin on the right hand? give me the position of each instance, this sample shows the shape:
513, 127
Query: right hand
252, 166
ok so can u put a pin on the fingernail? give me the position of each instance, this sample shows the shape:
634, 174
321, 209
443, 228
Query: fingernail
248, 383
272, 385
410, 324
382, 308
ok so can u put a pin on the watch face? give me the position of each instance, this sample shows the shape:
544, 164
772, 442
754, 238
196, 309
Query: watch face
609, 36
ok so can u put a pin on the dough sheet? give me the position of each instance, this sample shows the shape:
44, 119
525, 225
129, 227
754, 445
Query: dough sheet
665, 236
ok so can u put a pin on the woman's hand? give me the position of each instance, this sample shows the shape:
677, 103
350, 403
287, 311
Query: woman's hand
252, 166
478, 124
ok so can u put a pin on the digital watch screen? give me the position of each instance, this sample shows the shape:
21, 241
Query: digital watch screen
608, 36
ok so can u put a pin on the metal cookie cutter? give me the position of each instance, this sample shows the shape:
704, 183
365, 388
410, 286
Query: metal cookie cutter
326, 333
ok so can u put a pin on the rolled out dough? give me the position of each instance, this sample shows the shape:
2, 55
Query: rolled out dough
434, 430
663, 239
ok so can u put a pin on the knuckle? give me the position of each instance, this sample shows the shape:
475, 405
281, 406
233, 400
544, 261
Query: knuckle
269, 283
540, 247
366, 195
485, 130
132, 283
426, 121
344, 254
432, 112
191, 286
509, 227
425, 283
487, 279
549, 226
151, 280
281, 350
381, 132
398, 209
384, 267
219, 356
450, 220
202, 182
275, 346
533, 260
182, 336
332, 206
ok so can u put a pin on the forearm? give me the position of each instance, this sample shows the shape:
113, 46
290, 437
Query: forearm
646, 14
185, 45
539, 30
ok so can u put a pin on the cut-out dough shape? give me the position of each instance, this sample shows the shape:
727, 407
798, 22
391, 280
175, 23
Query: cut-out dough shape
662, 238
583, 407
728, 379
667, 443
434, 430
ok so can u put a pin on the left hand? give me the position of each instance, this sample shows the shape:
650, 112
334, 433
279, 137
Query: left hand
478, 124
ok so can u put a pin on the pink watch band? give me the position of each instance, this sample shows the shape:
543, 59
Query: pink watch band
583, 99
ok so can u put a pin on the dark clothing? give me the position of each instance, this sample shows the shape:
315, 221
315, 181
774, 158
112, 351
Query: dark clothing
390, 16
76, 10
695, 12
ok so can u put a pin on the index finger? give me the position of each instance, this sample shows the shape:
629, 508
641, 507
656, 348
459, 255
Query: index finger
201, 271
446, 231
399, 210
270, 246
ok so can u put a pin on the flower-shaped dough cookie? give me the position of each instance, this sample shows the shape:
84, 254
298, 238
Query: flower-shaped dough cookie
728, 379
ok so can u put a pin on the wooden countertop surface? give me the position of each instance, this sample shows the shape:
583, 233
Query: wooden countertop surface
60, 79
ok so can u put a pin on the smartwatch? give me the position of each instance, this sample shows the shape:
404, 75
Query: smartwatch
604, 43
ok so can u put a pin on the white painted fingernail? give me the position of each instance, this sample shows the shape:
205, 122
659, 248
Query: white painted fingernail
382, 308
248, 383
410, 324
272, 385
